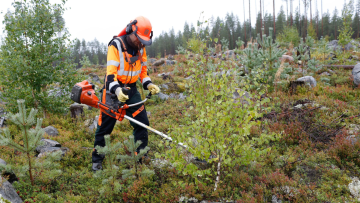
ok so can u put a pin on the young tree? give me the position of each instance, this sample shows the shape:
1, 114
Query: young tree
346, 30
35, 57
31, 137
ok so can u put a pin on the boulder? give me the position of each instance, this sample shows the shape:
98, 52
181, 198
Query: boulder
151, 60
287, 59
356, 74
52, 131
56, 92
94, 78
159, 62
229, 53
2, 162
242, 98
173, 87
308, 80
354, 188
334, 45
93, 124
10, 176
47, 150
46, 144
190, 77
169, 62
164, 74
180, 96
8, 192
170, 57
163, 96
354, 57
325, 74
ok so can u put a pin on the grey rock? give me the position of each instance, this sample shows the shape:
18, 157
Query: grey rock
356, 74
170, 57
308, 80
169, 62
2, 162
8, 192
51, 131
47, 150
190, 77
180, 96
159, 62
331, 71
274, 199
46, 144
229, 53
161, 163
164, 74
164, 86
94, 123
163, 96
325, 74
335, 46
228, 73
354, 57
242, 98
151, 60
56, 92
287, 58
94, 78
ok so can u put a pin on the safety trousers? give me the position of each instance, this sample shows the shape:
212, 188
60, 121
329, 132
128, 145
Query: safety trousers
107, 125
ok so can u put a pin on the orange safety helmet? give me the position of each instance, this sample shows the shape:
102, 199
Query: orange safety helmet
142, 29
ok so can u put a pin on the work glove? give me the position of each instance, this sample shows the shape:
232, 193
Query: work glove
120, 95
154, 89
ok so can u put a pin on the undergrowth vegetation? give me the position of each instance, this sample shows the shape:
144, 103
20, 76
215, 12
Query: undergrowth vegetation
250, 136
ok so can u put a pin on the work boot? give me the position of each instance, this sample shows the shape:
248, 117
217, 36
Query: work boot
96, 167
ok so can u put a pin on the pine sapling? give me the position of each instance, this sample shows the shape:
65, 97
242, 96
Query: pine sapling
31, 137
133, 160
109, 173
323, 47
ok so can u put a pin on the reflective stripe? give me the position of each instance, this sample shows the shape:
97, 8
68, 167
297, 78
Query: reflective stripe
112, 62
131, 73
112, 84
144, 63
141, 51
121, 55
146, 79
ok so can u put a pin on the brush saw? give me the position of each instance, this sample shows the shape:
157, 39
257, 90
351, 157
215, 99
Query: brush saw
84, 93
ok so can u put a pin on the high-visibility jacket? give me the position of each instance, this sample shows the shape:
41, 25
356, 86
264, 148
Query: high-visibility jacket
119, 71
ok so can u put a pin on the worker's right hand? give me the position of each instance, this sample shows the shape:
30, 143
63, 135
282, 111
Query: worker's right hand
120, 95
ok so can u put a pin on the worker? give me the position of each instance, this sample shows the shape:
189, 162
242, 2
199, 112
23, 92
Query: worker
126, 63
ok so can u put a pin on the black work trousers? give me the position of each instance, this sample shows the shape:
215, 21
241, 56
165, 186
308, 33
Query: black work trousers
137, 112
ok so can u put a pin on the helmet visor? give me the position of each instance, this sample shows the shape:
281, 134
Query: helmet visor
144, 40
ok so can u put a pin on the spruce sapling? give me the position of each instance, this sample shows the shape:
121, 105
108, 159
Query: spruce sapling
31, 138
133, 160
109, 173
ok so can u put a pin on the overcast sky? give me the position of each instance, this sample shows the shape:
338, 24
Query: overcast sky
101, 20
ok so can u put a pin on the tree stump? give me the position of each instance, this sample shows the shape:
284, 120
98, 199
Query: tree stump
293, 86
76, 111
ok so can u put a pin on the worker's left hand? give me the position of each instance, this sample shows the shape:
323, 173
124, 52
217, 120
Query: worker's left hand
154, 89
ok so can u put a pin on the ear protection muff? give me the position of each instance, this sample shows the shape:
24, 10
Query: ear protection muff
129, 27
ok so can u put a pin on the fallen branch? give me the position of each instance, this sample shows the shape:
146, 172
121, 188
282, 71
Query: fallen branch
339, 66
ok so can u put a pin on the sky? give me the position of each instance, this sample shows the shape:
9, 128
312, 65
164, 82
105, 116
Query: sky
102, 19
